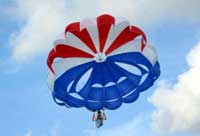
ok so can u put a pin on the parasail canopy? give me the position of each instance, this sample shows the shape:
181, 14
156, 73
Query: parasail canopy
101, 63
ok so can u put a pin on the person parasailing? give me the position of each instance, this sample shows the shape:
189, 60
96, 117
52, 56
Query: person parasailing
99, 118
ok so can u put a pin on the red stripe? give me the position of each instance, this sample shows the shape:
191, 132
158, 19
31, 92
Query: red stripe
140, 32
50, 59
104, 23
83, 35
128, 34
73, 27
64, 51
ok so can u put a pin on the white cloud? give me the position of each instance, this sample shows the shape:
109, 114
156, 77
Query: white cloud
52, 131
44, 19
137, 126
29, 133
178, 105
148, 12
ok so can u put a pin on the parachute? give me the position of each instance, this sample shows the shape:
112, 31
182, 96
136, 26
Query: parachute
100, 63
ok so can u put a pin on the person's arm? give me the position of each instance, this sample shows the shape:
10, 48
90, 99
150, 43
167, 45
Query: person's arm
93, 117
104, 116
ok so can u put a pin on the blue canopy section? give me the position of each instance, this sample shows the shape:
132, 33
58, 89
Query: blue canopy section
93, 85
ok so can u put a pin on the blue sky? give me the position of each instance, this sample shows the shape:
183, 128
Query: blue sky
27, 108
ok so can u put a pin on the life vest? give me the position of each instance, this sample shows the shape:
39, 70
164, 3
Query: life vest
99, 116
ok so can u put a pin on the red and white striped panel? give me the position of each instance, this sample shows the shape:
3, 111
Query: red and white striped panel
96, 39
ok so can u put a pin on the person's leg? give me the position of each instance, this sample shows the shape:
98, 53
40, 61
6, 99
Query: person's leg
99, 123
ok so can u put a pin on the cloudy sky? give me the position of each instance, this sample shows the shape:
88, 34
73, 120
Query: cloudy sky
169, 108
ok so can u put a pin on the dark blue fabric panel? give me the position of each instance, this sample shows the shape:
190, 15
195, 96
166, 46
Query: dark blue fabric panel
74, 102
101, 74
73, 74
96, 94
59, 103
95, 98
69, 100
132, 97
86, 89
77, 78
154, 73
111, 93
113, 105
134, 78
132, 58
108, 77
115, 73
98, 75
126, 86
93, 106
156, 70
